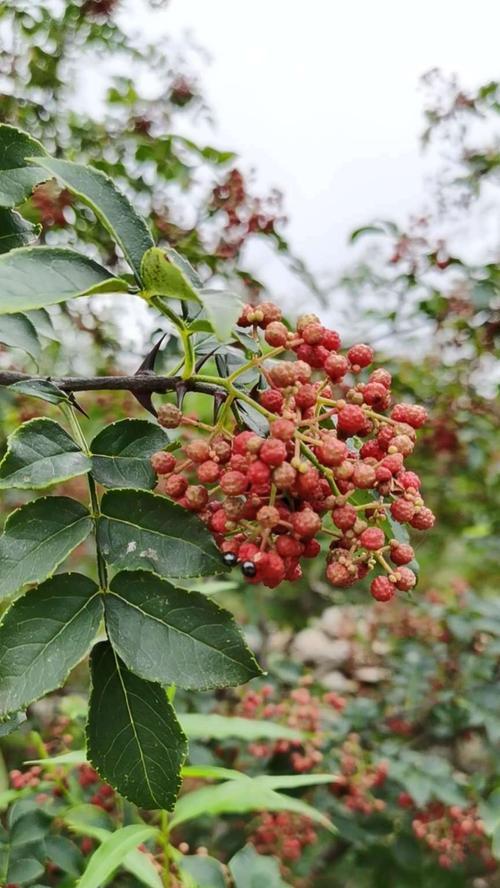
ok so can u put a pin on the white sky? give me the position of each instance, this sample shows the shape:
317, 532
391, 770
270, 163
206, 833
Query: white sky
323, 98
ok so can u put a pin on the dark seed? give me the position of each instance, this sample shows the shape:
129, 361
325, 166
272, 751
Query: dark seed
230, 559
248, 569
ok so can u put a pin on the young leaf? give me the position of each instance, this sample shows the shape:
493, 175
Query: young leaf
40, 453
15, 231
219, 727
42, 389
33, 277
239, 797
37, 538
17, 176
141, 748
11, 723
163, 275
109, 856
112, 208
89, 820
43, 635
140, 530
17, 331
223, 309
191, 641
121, 453
252, 870
204, 872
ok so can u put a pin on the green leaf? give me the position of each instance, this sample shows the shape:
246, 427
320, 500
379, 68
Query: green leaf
109, 856
42, 389
42, 323
33, 277
140, 530
43, 635
239, 797
65, 854
37, 538
141, 749
17, 177
89, 820
11, 723
15, 231
223, 309
112, 208
252, 870
17, 331
40, 453
191, 641
204, 872
209, 772
23, 870
121, 453
219, 727
164, 275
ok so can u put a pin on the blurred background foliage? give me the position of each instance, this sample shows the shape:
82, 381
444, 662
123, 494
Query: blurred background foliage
402, 701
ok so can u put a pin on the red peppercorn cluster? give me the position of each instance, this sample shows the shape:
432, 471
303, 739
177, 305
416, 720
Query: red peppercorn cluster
20, 780
455, 834
332, 467
358, 778
299, 709
283, 834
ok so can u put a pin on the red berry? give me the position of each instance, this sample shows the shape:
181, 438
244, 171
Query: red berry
382, 589
306, 396
311, 549
336, 366
402, 510
282, 374
221, 448
233, 483
284, 476
247, 552
270, 313
163, 462
271, 399
258, 472
273, 452
405, 579
360, 355
283, 429
271, 569
339, 575
208, 471
364, 475
173, 486
331, 340
409, 480
196, 497
303, 372
423, 519
313, 334
372, 538
382, 376
169, 416
401, 553
268, 516
375, 394
332, 452
413, 414
276, 334
306, 523
319, 355
351, 419
289, 547
240, 442
344, 517
218, 521
304, 320
198, 451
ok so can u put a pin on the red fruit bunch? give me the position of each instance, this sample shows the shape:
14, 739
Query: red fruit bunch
283, 834
359, 778
330, 470
454, 833
299, 709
